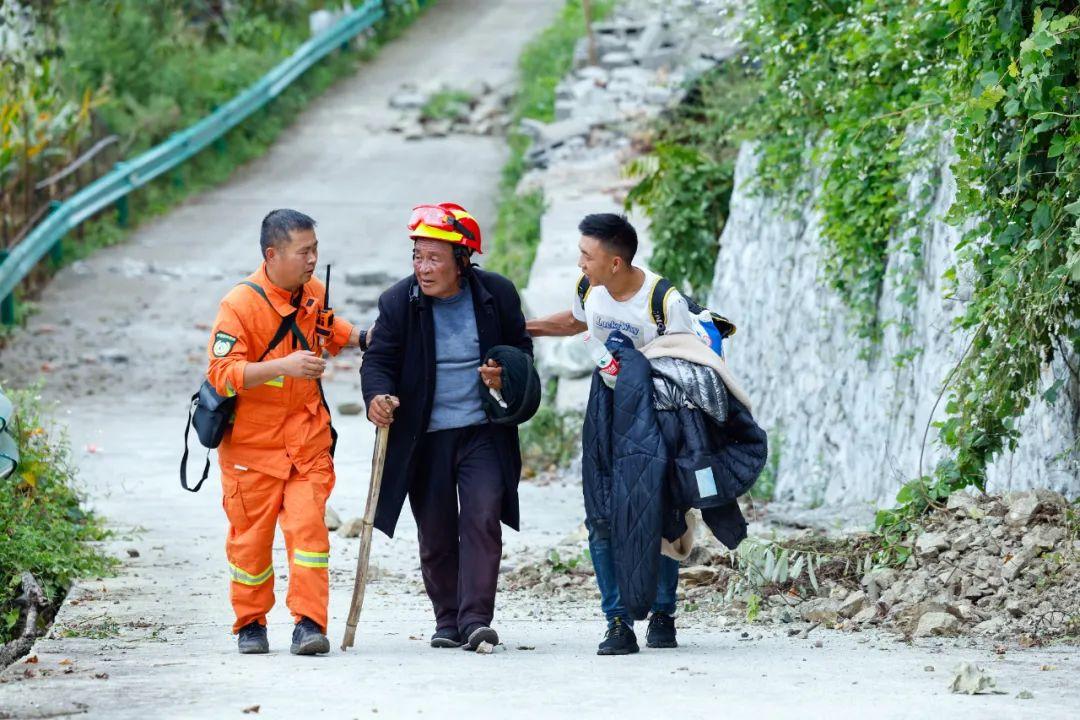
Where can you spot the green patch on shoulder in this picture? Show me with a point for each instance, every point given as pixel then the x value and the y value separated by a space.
pixel 223 344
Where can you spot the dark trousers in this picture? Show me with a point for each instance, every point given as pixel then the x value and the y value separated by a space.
pixel 459 550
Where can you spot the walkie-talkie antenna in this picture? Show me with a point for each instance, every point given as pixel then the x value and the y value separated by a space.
pixel 326 298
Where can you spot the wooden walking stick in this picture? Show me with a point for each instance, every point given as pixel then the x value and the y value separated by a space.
pixel 377 463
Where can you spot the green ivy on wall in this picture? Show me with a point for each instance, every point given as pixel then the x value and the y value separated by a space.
pixel 862 95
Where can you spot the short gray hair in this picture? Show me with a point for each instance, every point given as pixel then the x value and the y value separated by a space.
pixel 277 225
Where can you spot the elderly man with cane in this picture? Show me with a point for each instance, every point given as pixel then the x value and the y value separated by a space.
pixel 449 372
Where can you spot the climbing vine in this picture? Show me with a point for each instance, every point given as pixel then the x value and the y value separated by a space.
pixel 860 96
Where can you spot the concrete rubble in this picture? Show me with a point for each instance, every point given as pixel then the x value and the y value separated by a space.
pixel 480 109
pixel 970 572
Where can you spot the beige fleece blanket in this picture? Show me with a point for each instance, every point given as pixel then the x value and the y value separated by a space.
pixel 680 549
pixel 690 348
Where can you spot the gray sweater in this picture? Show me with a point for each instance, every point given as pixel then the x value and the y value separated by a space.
pixel 457 357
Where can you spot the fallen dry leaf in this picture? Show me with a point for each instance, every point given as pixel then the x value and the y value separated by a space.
pixel 252 709
pixel 31 660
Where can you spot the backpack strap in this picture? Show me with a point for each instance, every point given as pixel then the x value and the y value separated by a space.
pixel 288 324
pixel 658 298
pixel 184 459
pixel 583 288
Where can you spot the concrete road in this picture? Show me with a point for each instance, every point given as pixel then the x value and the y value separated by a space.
pixel 119 340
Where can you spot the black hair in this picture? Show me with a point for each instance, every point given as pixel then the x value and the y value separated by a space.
pixel 277 225
pixel 463 258
pixel 614 231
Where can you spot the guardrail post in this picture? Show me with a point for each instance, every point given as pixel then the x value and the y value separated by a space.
pixel 7 305
pixel 56 252
pixel 122 212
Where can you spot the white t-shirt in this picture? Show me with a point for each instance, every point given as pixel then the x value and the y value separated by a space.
pixel 605 315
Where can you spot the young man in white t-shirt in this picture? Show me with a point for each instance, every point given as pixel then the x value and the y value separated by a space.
pixel 618 302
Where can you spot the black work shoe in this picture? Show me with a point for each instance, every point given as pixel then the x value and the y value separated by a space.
pixel 307 639
pixel 620 640
pixel 446 638
pixel 661 632
pixel 480 634
pixel 251 640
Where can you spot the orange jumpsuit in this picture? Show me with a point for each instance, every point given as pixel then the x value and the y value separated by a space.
pixel 275 459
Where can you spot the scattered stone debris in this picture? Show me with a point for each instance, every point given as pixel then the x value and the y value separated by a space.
pixel 477 110
pixel 351 528
pixel 972 571
pixel 351 408
pixel 970 679
pixel 132 553
pixel 332 519
pixel 486 648
pixel 254 709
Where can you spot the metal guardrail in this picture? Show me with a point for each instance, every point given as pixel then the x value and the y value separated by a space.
pixel 127 176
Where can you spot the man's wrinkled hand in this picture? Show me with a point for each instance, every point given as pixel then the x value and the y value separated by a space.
pixel 491 375
pixel 303 364
pixel 381 410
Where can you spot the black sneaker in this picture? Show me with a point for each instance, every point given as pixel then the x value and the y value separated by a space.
pixel 620 640
pixel 251 639
pixel 661 633
pixel 480 634
pixel 446 638
pixel 308 639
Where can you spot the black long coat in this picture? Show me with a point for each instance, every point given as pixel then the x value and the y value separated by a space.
pixel 401 361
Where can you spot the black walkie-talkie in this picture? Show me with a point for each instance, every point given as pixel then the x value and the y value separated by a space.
pixel 324 324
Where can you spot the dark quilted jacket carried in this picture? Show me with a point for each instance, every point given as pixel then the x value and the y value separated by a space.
pixel 644 467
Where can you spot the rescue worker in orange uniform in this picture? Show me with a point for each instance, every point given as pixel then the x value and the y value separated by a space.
pixel 277 458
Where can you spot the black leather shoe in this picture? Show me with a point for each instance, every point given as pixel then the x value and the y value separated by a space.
pixel 619 640
pixel 446 638
pixel 661 633
pixel 308 639
pixel 251 640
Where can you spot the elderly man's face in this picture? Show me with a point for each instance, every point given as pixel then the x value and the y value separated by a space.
pixel 292 263
pixel 436 271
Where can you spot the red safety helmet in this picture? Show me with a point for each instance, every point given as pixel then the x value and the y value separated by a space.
pixel 446 221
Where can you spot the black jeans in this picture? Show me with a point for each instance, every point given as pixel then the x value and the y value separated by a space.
pixel 459 550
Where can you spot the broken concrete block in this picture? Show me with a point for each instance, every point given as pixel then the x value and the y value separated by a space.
pixel 699 575
pixel 408 98
pixel 1015 565
pixel 616 59
pixel 931 543
pixel 852 604
pixel 821 610
pixel 937 623
pixel 332 519
pixel 868 613
pixel 991 626
pixel 1043 537
pixel 351 528
pixel 962 503
pixel 970 679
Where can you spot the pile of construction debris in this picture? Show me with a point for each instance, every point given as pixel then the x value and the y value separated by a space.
pixel 479 109
pixel 992 566
pixel 645 57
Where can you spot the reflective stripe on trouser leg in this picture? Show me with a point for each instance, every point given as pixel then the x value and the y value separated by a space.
pixel 239 576
pixel 307 540
pixel 304 558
